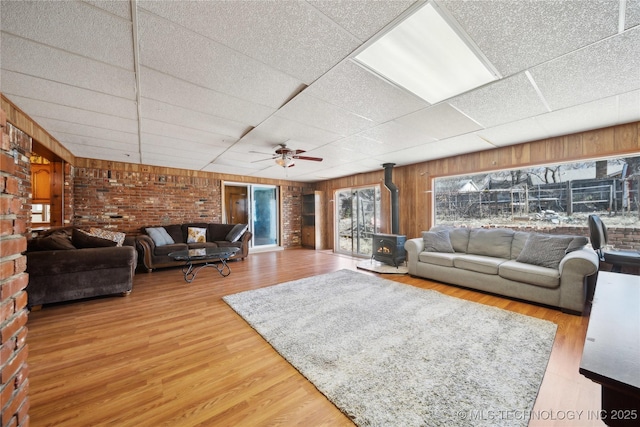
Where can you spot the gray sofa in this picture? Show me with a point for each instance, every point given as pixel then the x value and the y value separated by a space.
pixel 554 270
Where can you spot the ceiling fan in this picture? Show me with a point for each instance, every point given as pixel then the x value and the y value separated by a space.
pixel 286 157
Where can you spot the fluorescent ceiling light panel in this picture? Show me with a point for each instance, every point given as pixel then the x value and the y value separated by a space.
pixel 424 55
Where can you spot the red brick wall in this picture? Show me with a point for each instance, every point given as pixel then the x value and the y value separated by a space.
pixel 126 201
pixel 15 184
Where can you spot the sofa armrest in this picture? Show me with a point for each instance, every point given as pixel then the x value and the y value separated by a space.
pixel 146 246
pixel 413 248
pixel 577 270
pixel 244 249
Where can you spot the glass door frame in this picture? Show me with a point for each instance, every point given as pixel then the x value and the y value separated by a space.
pixel 250 210
pixel 356 246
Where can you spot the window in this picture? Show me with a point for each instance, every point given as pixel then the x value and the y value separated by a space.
pixel 550 195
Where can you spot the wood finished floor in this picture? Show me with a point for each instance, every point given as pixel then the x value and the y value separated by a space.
pixel 174 354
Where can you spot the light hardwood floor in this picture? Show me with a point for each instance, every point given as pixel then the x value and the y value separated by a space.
pixel 174 354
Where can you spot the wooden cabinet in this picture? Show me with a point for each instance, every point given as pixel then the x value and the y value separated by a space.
pixel 312 220
pixel 41 183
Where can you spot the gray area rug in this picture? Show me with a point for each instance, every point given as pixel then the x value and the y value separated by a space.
pixel 389 354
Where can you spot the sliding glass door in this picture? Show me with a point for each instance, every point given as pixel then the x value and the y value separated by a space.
pixel 264 204
pixel 257 206
pixel 357 219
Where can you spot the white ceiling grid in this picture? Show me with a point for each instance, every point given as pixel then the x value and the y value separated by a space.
pixel 222 83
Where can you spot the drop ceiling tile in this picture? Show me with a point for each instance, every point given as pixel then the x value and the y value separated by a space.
pixel 64 113
pixel 118 8
pixel 252 161
pixel 315 112
pixel 629 107
pixel 58 128
pixel 516 35
pixel 228 169
pixel 592 115
pixel 73 27
pixel 439 122
pixel 171 90
pixel 276 130
pixel 360 18
pixel 514 133
pixel 174 160
pixel 506 100
pixel 104 153
pixel 162 144
pixel 70 96
pixel 359 147
pixel 177 51
pixel 97 143
pixel 162 112
pixel 436 150
pixel 396 134
pixel 180 132
pixel 23 56
pixel 632 15
pixel 289 36
pixel 601 70
pixel 363 93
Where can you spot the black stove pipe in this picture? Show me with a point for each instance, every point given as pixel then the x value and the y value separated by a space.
pixel 395 210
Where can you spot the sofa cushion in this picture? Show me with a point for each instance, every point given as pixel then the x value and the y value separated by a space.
pixel 196 235
pixel 438 258
pixel 459 236
pixel 167 249
pixel 82 239
pixel 236 232
pixel 200 245
pixel 544 250
pixel 492 242
pixel 160 236
pixel 437 241
pixel 478 263
pixel 519 239
pixel 530 274
pixel 176 233
pixel 52 242
pixel 116 236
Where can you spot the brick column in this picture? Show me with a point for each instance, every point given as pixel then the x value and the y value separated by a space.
pixel 14 384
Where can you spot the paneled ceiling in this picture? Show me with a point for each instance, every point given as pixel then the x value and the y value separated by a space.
pixel 216 85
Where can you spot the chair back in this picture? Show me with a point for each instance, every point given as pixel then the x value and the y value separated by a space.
pixel 598 234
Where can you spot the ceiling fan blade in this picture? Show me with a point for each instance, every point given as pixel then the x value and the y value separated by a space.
pixel 260 152
pixel 296 152
pixel 314 159
pixel 263 160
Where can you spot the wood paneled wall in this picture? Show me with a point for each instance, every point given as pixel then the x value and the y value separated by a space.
pixel 415 181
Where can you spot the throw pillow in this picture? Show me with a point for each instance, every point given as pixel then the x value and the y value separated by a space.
pixel 196 235
pixel 437 241
pixel 544 250
pixel 577 243
pixel 159 236
pixel 52 242
pixel 236 232
pixel 82 239
pixel 116 236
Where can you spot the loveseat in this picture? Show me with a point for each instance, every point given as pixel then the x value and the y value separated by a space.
pixel 157 242
pixel 68 264
pixel 554 270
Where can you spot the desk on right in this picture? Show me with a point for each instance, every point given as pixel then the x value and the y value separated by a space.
pixel 611 354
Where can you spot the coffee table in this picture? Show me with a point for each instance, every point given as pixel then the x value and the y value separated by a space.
pixel 214 257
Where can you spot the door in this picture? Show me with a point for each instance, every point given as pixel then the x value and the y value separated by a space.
pixel 357 219
pixel 257 206
pixel 264 218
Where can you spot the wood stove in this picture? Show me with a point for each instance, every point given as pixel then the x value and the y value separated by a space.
pixel 389 249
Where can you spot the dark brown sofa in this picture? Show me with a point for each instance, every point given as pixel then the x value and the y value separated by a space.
pixel 216 235
pixel 70 272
